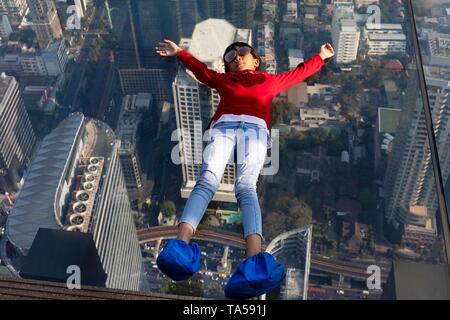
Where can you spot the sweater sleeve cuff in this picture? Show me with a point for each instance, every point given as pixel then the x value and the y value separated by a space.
pixel 183 54
pixel 319 58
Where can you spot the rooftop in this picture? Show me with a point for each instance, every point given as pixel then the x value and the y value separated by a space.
pixel 388 119
pixel 384 26
pixel 211 37
pixel 35 207
pixel 42 199
pixel 14 289
pixel 387 37
pixel 419 211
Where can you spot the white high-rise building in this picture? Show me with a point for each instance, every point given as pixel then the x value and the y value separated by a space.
pixel 14 9
pixel 385 39
pixel 17 139
pixel 131 113
pixel 195 103
pixel 345 33
pixel 410 182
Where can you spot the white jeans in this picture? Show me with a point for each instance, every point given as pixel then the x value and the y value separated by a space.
pixel 249 140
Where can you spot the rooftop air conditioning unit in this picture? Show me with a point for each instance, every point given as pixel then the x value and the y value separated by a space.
pixel 79 207
pixel 88 186
pixel 74 228
pixel 77 219
pixel 89 178
pixel 92 168
pixel 82 196
pixel 94 160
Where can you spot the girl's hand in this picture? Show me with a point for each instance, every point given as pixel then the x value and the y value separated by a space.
pixel 326 51
pixel 167 49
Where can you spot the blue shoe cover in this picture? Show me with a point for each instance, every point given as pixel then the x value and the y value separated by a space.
pixel 255 276
pixel 179 260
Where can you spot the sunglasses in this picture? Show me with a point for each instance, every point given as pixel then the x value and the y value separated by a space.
pixel 232 54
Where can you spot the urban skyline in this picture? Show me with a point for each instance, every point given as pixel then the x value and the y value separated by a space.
pixel 356 178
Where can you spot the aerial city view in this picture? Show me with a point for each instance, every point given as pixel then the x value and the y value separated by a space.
pixel 102 138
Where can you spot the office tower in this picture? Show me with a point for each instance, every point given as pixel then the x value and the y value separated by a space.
pixel 56 57
pixel 211 9
pixel 410 184
pixel 14 9
pixel 17 139
pixel 75 184
pixel 195 103
pixel 45 20
pixel 293 249
pixel 240 13
pixel 5 27
pixel 345 33
pixel 132 111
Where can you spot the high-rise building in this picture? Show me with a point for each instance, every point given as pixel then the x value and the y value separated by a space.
pixel 240 13
pixel 5 27
pixel 211 9
pixel 345 33
pixel 75 184
pixel 410 182
pixel 131 113
pixel 195 103
pixel 55 57
pixel 17 139
pixel 293 249
pixel 46 23
pixel 14 9
pixel 21 61
pixel 154 81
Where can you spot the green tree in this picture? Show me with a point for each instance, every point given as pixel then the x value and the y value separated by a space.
pixel 274 224
pixel 349 105
pixel 169 209
pixel 282 112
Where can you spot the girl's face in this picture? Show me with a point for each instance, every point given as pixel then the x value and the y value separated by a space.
pixel 245 62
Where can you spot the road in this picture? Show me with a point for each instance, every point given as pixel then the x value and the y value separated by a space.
pixel 354 269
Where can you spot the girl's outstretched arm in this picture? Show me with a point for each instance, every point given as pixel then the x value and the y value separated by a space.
pixel 198 68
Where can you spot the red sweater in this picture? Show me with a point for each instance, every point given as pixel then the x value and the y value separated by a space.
pixel 248 92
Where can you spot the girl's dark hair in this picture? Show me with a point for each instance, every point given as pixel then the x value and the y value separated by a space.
pixel 241 44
